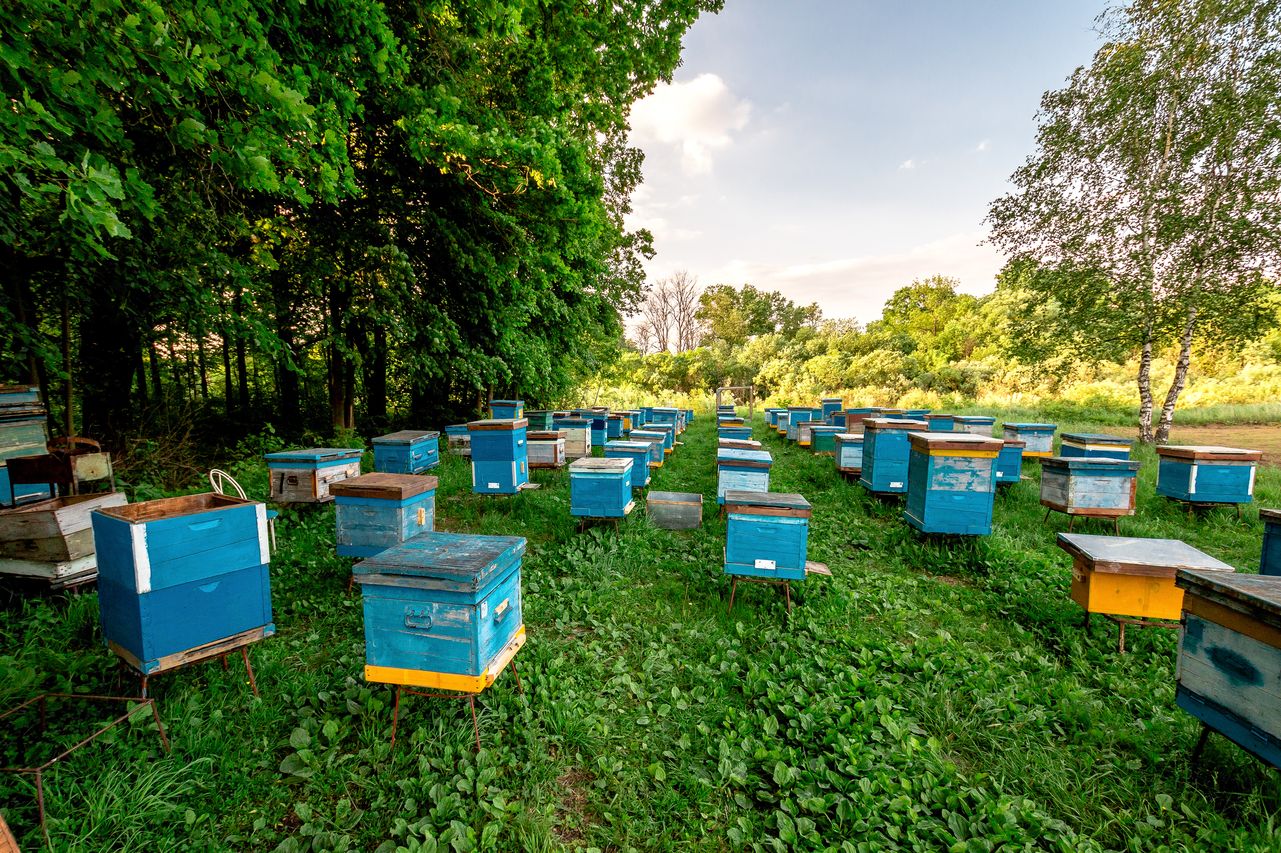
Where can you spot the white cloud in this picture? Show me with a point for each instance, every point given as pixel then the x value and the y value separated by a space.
pixel 696 118
pixel 984 145
pixel 907 165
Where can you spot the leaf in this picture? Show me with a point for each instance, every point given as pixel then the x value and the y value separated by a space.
pixel 300 738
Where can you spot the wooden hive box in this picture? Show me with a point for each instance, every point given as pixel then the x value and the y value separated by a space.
pixel 1206 474
pixel 1270 558
pixel 600 488
pixel 637 451
pixel 657 444
pixel 666 415
pixel 1095 488
pixel 940 422
pixel 742 471
pixel 1092 445
pixel 578 435
pixel 854 418
pixel 829 406
pixel 614 426
pixel 53 539
pixel 804 433
pixel 823 438
pixel 443 610
pixel 916 413
pixel 886 450
pixel 1123 576
pixel 771 415
pixel 669 435
pixel 973 424
pixel 546 449
pixel 600 429
pixel 674 510
pixel 373 512
pixel 539 419
pixel 849 453
pixel 304 476
pixel 646 415
pixel 951 483
pixel 797 415
pixel 24 431
pixel 1038 439
pixel 178 575
pixel 689 416
pixel 1229 668
pixel 767 535
pixel 738 443
pixel 458 439
pixel 410 451
pixel 739 432
pixel 782 421
pixel 508 410
pixel 1009 462
pixel 730 421
pixel 499 456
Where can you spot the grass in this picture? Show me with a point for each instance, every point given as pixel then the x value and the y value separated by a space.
pixel 930 695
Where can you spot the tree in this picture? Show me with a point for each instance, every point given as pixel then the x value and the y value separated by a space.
pixel 1151 211
pixel 733 314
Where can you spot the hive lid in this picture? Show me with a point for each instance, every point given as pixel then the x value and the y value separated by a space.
pixel 407 436
pixel 314 454
pixel 675 498
pixel 955 441
pixel 621 444
pixel 596 464
pixel 1031 426
pixel 615 417
pixel 544 435
pixel 826 428
pixel 1085 463
pixel 458 560
pixel 154 510
pixel 974 419
pixel 646 434
pixel 938 416
pixel 744 458
pixel 1138 556
pixel 667 409
pixel 571 420
pixel 848 436
pixel 456 429
pixel 1097 438
pixel 387 487
pixel 1209 452
pixel 740 443
pixel 506 402
pixel 768 503
pixel 498 425
pixel 894 423
pixel 1258 596
pixel 1270 514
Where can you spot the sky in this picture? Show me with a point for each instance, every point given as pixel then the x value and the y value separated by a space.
pixel 836 150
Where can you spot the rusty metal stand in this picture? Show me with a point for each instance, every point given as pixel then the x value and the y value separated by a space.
pixel 39 771
pixel 1072 517
pixel 1200 744
pixel 733 588
pixel 244 655
pixel 1122 621
pixel 470 697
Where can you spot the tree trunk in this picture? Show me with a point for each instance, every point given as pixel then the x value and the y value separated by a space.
pixel 228 402
pixel 1145 388
pixel 242 373
pixel 376 379
pixel 68 413
pixel 156 388
pixel 200 360
pixel 1180 378
pixel 111 340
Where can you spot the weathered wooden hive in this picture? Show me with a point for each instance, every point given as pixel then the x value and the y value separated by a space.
pixel 886 450
pixel 305 475
pixel 646 415
pixel 458 439
pixel 854 418
pixel 940 422
pixel 738 443
pixel 804 434
pixel 1038 438
pixel 508 410
pixel 657 444
pixel 499 456
pixel 951 483
pixel 1270 558
pixel 1093 488
pixel 24 431
pixel 410 451
pixel 1229 669
pixel 973 424
pixel 669 435
pixel 1207 474
pixel 443 610
pixel 674 510
pixel 823 438
pixel 782 421
pixel 578 435
pixel 739 432
pixel 1092 445
pixel 829 406
pixel 546 448
pixel 539 419
pixel 637 451
pixel 771 416
pixel 742 471
pixel 613 426
pixel 373 512
pixel 767 535
pixel 53 539
pixel 797 415
pixel 667 415
pixel 849 453
pixel 1009 463
pixel 177 576
pixel 600 488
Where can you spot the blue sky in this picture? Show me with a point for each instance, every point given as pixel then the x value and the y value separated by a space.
pixel 837 149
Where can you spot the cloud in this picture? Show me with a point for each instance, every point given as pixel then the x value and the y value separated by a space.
pixel 984 145
pixel 695 118
pixel 907 165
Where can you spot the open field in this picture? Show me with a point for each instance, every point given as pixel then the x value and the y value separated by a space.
pixel 930 695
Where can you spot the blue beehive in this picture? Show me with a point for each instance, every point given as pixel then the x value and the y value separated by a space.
pixel 796 415
pixel 741 471
pixel 823 438
pixel 1092 445
pixel 613 426
pixel 666 415
pixel 689 416
pixel 646 415
pixel 1089 487
pixel 499 456
pixel 373 512
pixel 782 420
pixel 637 451
pixel 1038 438
pixel 443 610
pixel 973 424
pixel 771 416
pixel 830 406
pixel 940 423
pixel 24 431
pixel 657 441
pixel 177 575
pixel 849 453
pixel 600 488
pixel 886 449
pixel 458 439
pixel 767 535
pixel 1207 474
pixel 1009 463
pixel 410 451
pixel 669 435
pixel 508 410
pixel 738 432
pixel 1270 559
pixel 915 413
pixel 951 483
pixel 305 475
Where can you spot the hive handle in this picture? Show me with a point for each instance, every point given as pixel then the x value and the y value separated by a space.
pixel 418 619
pixel 204 525
pixel 500 612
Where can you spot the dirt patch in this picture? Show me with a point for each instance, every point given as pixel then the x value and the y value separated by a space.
pixel 571 809
pixel 951 580
pixel 1265 437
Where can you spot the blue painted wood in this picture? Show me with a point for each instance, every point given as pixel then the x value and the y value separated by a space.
pixel 1009 463
pixel 1270 559
pixel 378 511
pixel 442 602
pixel 689 415
pixel 407 452
pixel 600 488
pixel 639 452
pixel 973 424
pixel 1232 726
pixel 312 457
pixel 499 456
pixel 647 415
pixel 668 432
pixel 742 471
pixel 797 415
pixel 11 395
pixel 1089 485
pixel 823 438
pixel 23 493
pixel 830 406
pixel 456 430
pixel 614 426
pixel 916 413
pixel 849 453
pixel 506 409
pixel 940 422
pixel 1095 445
pixel 886 449
pixel 949 491
pixel 761 543
pixel 737 432
pixel 1038 438
pixel 1206 475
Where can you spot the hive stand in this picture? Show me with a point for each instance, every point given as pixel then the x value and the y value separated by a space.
pixel 469 696
pixel 218 649
pixel 811 567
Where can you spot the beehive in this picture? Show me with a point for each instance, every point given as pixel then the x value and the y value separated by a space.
pixel 443 610
pixel 689 416
pixel 1270 558
pixel 782 421
pixel 1123 576
pixel 179 575
pixel 647 415
pixel 849 453
pixel 1229 668
pixel 373 512
pixel 600 488
pixel 973 424
pixel 951 483
pixel 540 420
pixel 915 413
pixel 797 415
pixel 546 448
pixel 674 510
pixel 305 475
pixel 1094 488
pixel 638 452
pixel 739 432
pixel 823 438
pixel 730 421
pixel 1092 445
pixel 657 444
pixel 829 406
pixel 24 431
pixel 854 418
pixel 804 435
pixel 410 451
pixel 614 426
pixel 771 416
pixel 506 410
pixel 738 443
pixel 767 535
pixel 1206 474
pixel 1038 439
pixel 669 435
pixel 742 471
pixel 53 539
pixel 499 456
pixel 578 435
pixel 667 415
pixel 886 449
pixel 1009 463
pixel 458 439
pixel 940 423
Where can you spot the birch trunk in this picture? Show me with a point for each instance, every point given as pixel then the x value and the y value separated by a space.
pixel 1145 388
pixel 1180 378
